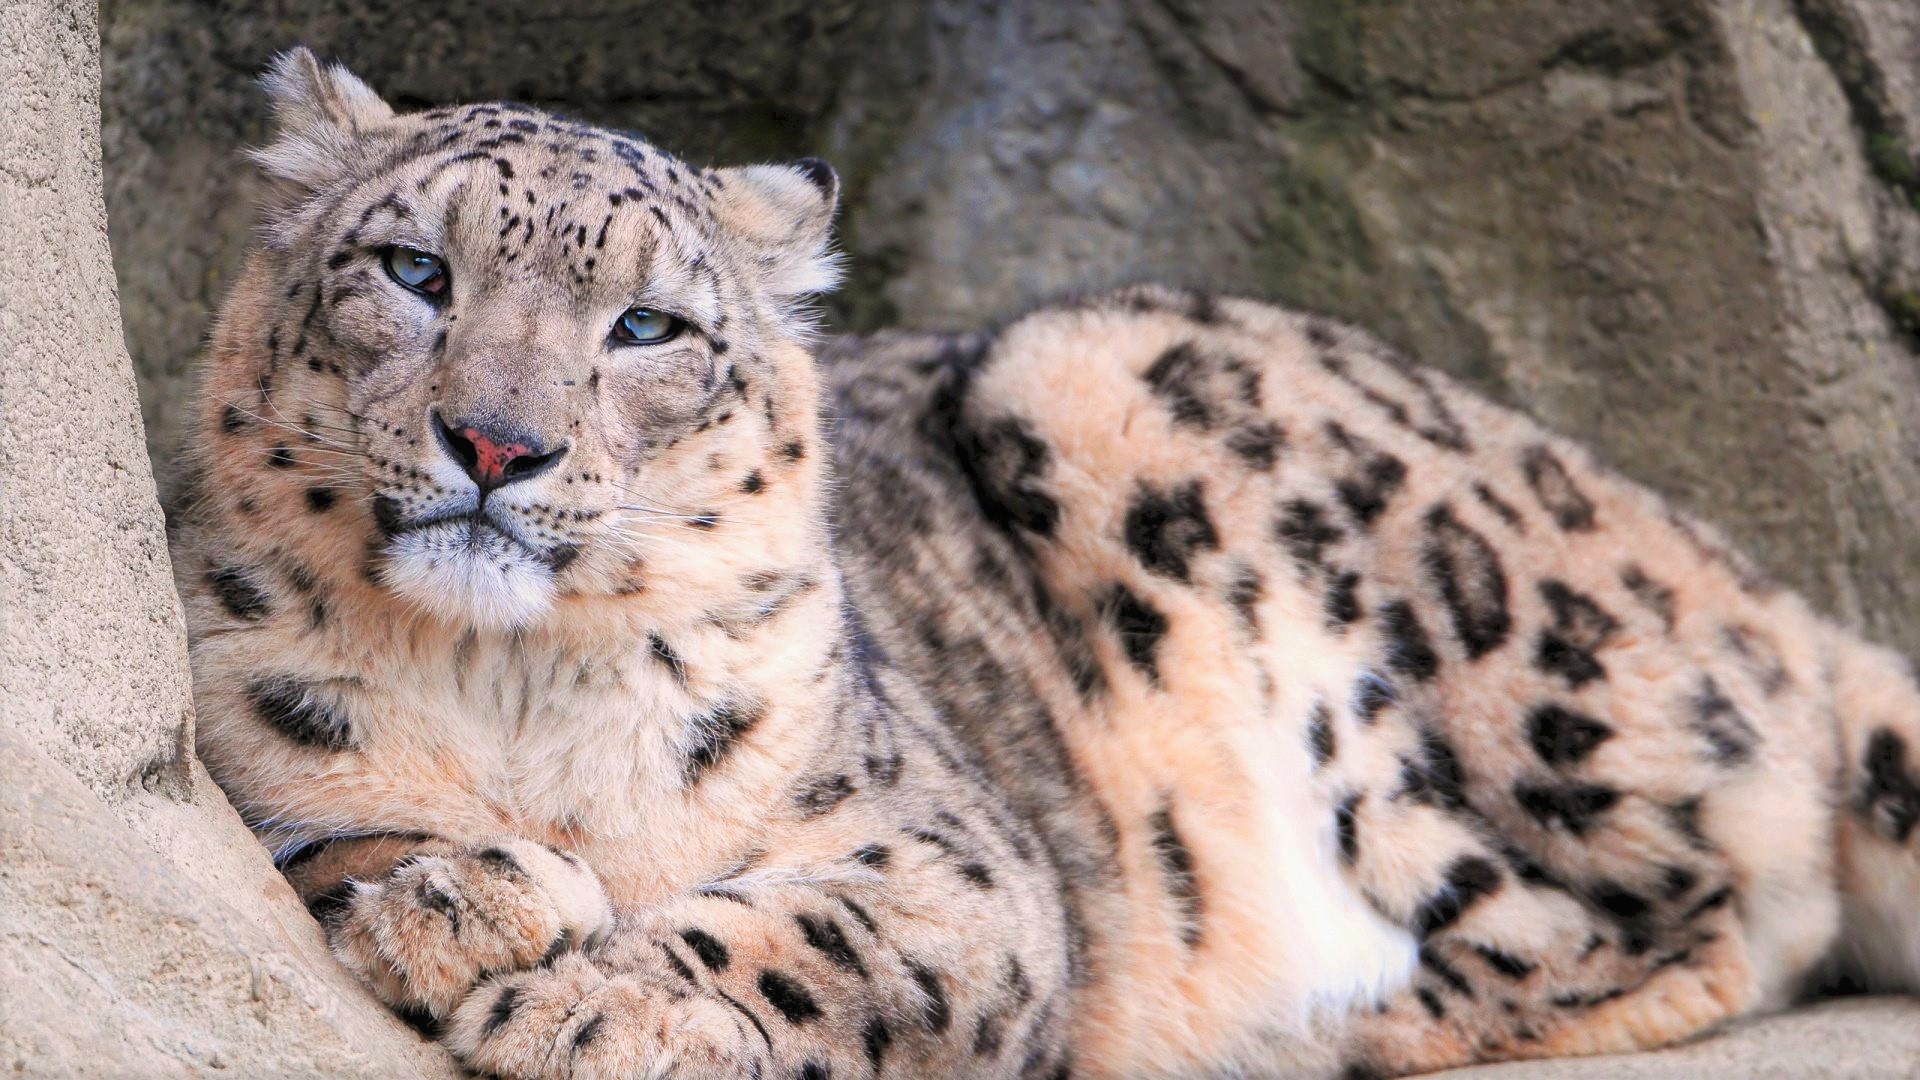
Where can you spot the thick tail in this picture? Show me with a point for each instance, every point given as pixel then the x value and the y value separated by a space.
pixel 1877 701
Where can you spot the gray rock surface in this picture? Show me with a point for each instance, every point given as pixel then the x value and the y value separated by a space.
pixel 143 931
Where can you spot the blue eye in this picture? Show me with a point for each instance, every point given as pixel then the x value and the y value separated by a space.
pixel 645 326
pixel 417 270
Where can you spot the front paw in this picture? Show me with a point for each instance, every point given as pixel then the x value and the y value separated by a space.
pixel 574 1020
pixel 437 924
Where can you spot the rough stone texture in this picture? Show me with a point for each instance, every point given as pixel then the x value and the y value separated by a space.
pixel 1687 231
pixel 117 959
pixel 93 666
pixel 1865 1039
pixel 143 931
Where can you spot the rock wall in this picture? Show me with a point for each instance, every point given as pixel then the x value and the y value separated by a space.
pixel 1683 230
pixel 143 931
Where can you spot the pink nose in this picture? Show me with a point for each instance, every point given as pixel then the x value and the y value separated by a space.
pixel 493 456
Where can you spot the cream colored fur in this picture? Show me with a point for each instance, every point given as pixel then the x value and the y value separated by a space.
pixel 1159 685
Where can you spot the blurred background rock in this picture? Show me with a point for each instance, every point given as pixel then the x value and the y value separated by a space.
pixel 1685 231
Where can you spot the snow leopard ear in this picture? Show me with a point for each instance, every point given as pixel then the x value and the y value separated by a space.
pixel 784 214
pixel 322 113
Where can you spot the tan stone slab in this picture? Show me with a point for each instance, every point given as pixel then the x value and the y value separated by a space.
pixel 112 965
pixel 92 652
pixel 1857 1039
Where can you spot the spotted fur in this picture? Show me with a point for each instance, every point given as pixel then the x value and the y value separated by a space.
pixel 1162 684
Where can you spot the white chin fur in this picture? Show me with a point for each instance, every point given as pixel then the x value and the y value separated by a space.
pixel 467 573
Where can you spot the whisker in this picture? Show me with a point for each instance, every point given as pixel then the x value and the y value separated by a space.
pixel 349 430
pixel 235 406
pixel 269 451
pixel 660 515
